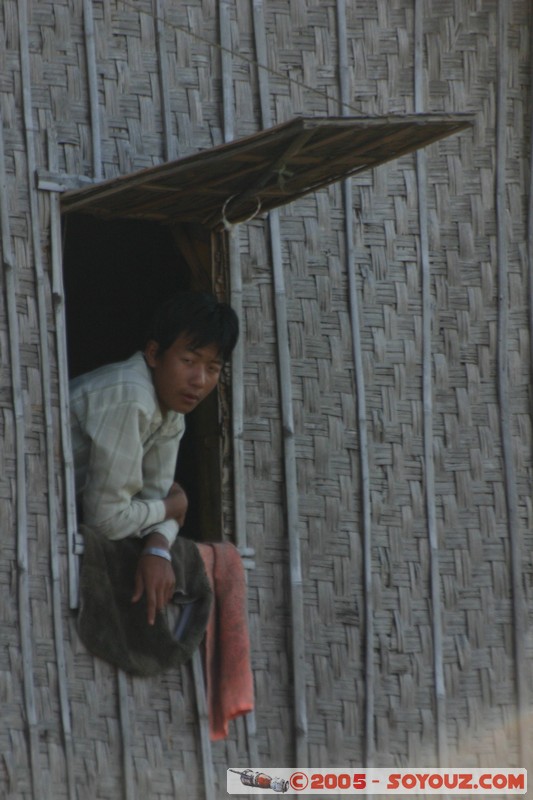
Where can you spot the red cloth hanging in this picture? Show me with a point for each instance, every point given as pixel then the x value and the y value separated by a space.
pixel 228 672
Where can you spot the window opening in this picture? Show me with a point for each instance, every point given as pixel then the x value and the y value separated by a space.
pixel 115 273
pixel 124 256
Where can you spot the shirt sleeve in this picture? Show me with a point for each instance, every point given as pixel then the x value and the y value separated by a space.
pixel 169 529
pixel 116 502
pixel 159 469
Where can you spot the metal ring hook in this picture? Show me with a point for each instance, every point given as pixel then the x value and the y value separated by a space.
pixel 229 226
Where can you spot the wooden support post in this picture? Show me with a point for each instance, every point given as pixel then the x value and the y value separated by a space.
pixel 362 424
pixel 289 448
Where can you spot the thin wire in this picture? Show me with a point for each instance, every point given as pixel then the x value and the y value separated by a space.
pixel 251 61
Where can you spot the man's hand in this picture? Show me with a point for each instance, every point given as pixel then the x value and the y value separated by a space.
pixel 154 576
pixel 176 504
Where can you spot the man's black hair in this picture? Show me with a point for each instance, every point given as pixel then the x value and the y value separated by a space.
pixel 199 316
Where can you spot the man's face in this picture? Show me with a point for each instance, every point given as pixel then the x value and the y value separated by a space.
pixel 183 377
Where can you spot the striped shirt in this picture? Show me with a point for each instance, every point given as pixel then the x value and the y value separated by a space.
pixel 125 450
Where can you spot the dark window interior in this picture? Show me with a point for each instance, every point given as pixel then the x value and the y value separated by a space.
pixel 115 274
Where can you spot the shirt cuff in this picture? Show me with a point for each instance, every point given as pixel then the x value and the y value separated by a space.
pixel 169 529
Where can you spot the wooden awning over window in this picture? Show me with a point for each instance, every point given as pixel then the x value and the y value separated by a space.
pixel 235 181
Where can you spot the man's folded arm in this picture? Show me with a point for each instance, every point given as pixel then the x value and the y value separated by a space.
pixel 112 498
pixel 134 518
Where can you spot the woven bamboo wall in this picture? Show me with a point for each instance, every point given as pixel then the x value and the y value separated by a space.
pixel 386 375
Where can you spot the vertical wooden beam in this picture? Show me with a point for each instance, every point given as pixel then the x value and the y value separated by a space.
pixel 360 388
pixel 528 763
pixel 530 205
pixel 237 397
pixel 237 365
pixel 46 388
pixel 166 111
pixel 511 493
pixel 289 445
pixel 90 52
pixel 58 295
pixel 427 391
pixel 226 55
pixel 21 516
pixel 68 465
pixel 125 731
pixel 203 722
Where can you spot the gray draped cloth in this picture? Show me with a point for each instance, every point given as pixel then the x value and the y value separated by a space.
pixel 116 630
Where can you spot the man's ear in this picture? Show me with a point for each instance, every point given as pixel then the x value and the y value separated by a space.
pixel 151 350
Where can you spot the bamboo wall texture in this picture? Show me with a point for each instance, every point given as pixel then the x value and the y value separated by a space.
pixel 382 411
